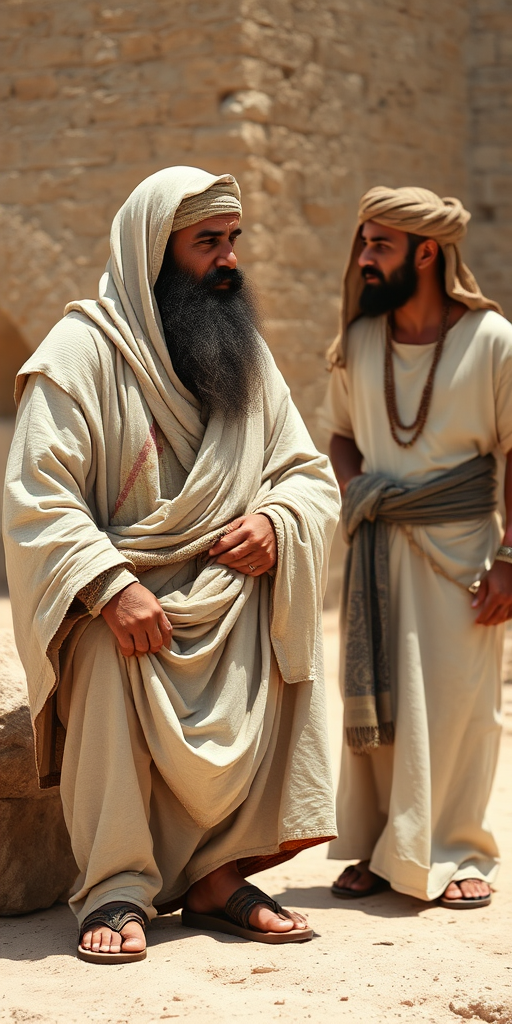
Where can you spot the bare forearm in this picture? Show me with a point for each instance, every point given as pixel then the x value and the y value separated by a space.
pixel 346 459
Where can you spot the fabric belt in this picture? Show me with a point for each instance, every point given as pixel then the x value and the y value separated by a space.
pixel 371 503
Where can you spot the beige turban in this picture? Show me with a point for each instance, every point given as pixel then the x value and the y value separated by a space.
pixel 222 197
pixel 419 212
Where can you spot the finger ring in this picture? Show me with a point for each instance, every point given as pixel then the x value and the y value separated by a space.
pixel 252 568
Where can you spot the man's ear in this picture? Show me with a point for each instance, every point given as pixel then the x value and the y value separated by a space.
pixel 426 254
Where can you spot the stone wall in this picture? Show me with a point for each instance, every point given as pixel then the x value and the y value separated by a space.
pixel 346 95
pixel 490 147
pixel 308 103
pixel 93 100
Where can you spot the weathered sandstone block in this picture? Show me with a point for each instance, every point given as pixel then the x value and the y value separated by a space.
pixel 36 863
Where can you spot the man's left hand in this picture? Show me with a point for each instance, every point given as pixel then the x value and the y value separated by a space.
pixel 249 546
pixel 494 596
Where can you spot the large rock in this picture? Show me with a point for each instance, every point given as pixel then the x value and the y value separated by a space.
pixel 36 863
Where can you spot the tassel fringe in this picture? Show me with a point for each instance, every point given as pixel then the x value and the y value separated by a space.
pixel 364 738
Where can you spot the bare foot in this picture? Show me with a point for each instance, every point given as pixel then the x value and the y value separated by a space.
pixel 212 892
pixel 131 939
pixel 357 877
pixel 467 888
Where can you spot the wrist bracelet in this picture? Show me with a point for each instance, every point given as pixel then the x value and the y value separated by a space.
pixel 504 554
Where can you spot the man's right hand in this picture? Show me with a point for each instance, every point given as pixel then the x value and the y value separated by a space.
pixel 137 621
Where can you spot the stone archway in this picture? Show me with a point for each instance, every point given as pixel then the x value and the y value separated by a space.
pixel 13 353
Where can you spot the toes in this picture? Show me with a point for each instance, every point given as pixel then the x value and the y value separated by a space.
pixel 473 887
pixel 453 892
pixel 109 941
pixel 133 944
pixel 104 940
pixel 467 888
pixel 356 876
pixel 298 920
pixel 134 940
pixel 265 920
pixel 278 922
pixel 98 939
pixel 347 876
pixel 115 943
pixel 275 922
pixel 362 882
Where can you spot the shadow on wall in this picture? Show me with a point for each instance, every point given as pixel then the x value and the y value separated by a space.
pixel 13 353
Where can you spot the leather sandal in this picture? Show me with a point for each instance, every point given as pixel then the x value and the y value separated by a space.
pixel 234 919
pixel 114 916
pixel 466 902
pixel 343 892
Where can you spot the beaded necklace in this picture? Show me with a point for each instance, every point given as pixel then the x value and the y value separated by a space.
pixel 395 422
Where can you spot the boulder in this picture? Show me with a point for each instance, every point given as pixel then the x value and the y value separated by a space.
pixel 36 863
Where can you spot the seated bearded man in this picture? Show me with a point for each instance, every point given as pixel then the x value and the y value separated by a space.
pixel 167 526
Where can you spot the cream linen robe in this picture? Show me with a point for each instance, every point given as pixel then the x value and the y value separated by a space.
pixel 417 809
pixel 174 763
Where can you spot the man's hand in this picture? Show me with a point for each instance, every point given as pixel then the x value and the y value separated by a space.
pixel 137 621
pixel 249 546
pixel 494 596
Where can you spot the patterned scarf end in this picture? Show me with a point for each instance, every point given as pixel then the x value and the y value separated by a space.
pixel 362 739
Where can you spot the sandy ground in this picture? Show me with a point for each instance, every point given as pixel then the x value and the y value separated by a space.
pixel 386 958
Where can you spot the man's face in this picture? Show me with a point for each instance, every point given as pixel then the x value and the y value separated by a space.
pixel 388 269
pixel 206 250
pixel 209 318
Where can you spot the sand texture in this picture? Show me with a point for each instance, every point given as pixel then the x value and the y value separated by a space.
pixel 385 958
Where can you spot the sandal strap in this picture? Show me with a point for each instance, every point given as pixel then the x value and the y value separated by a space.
pixel 240 905
pixel 114 916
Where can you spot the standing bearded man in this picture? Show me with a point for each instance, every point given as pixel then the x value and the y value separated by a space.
pixel 420 409
pixel 167 524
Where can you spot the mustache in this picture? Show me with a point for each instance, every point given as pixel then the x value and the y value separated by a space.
pixel 367 272
pixel 221 276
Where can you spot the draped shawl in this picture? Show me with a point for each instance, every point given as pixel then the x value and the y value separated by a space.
pixel 419 212
pixel 129 474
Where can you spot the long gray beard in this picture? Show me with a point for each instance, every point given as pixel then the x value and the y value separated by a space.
pixel 212 338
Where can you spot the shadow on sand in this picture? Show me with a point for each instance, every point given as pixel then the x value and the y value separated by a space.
pixel 53 933
pixel 388 904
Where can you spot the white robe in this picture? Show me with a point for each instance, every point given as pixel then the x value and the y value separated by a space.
pixel 417 810
pixel 216 750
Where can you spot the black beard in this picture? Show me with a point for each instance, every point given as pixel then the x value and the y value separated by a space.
pixel 212 338
pixel 393 292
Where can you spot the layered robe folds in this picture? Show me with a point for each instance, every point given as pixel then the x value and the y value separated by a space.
pixel 417 809
pixel 175 762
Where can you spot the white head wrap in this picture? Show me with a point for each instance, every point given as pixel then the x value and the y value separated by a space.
pixel 222 197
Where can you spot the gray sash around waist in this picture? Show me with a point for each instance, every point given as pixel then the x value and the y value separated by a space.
pixel 372 502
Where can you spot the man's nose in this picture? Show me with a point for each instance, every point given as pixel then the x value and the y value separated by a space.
pixel 227 259
pixel 366 259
